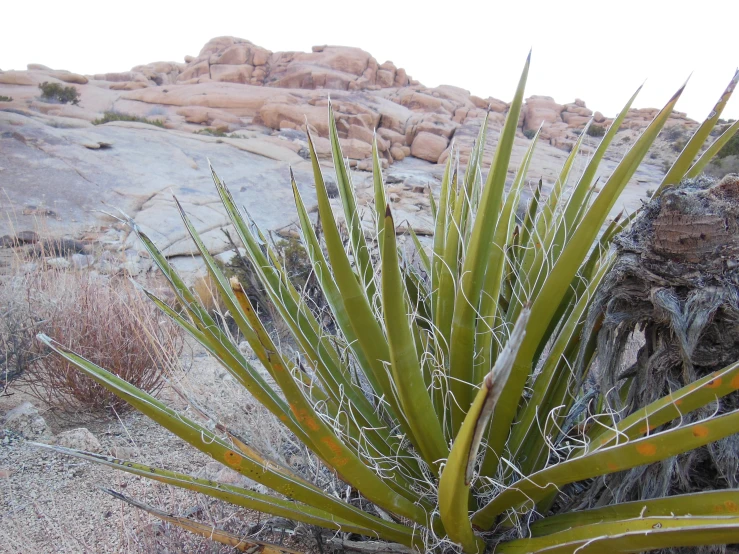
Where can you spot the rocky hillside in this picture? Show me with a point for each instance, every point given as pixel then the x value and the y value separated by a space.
pixel 246 109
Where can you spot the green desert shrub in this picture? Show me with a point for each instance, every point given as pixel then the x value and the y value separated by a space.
pixel 678 145
pixel 212 132
pixel 529 133
pixel 731 148
pixel 723 153
pixel 220 133
pixel 449 407
pixel 6 98
pixel 721 166
pixel 674 133
pixel 55 92
pixel 596 130
pixel 117 116
pixel 294 259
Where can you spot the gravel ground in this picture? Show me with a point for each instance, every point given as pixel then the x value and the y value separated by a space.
pixel 50 502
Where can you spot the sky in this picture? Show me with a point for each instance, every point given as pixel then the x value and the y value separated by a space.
pixel 594 50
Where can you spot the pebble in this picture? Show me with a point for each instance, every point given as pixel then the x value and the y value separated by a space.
pixel 81 261
pixel 122 452
pixel 58 263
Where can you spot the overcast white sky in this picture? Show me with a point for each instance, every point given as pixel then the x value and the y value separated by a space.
pixel 597 51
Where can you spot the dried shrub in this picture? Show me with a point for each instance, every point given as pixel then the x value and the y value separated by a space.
pixel 16 344
pixel 104 319
pixel 205 289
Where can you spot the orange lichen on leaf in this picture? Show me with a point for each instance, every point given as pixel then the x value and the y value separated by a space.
pixel 715 383
pixel 700 431
pixel 307 419
pixel 646 449
pixel 232 458
pixel 338 458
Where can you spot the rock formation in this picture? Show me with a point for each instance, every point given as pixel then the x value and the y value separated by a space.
pixel 233 84
pixel 247 109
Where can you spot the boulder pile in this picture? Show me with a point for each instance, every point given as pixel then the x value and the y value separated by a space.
pixel 233 84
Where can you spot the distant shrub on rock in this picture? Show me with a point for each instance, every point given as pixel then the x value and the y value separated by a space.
pixel 731 148
pixel 117 116
pixel 596 131
pixel 54 92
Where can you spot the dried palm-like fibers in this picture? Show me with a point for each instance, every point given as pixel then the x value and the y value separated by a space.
pixel 676 281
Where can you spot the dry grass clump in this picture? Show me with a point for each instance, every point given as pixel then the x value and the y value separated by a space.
pixel 104 318
pixel 16 344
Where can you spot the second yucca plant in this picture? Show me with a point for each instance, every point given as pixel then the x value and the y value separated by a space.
pixel 441 392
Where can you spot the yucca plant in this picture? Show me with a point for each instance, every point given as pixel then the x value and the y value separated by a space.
pixel 447 393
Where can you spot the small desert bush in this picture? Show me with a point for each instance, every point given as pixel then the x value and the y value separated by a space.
pixel 678 145
pixel 117 116
pixel 529 133
pixel 674 133
pixel 726 150
pixel 54 92
pixel 721 166
pixel 596 131
pixel 220 133
pixel 17 341
pixel 107 318
pixel 731 148
pixel 296 262
pixel 6 98
pixel 210 131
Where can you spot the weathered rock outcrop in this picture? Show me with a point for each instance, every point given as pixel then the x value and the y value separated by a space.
pixel 247 110
pixel 233 84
